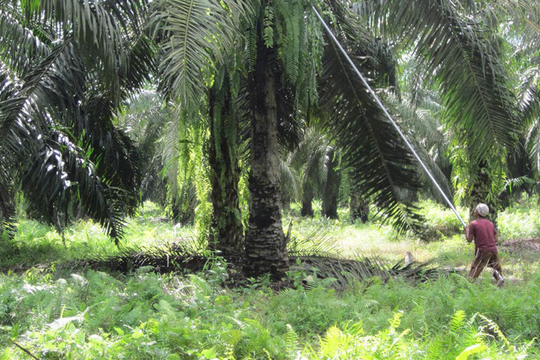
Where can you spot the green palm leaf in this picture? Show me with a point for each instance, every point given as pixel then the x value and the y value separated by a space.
pixel 382 165
pixel 98 26
pixel 195 33
pixel 7 196
pixel 424 131
pixel 466 62
pixel 44 118
pixel 21 46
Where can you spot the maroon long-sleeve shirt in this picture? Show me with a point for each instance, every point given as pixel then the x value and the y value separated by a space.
pixel 483 232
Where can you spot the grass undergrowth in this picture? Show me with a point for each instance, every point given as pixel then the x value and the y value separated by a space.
pixel 94 315
pixel 83 314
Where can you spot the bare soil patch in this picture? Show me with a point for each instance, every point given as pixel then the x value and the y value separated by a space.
pixel 523 245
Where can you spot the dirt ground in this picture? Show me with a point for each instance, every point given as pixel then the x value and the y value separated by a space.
pixel 521 245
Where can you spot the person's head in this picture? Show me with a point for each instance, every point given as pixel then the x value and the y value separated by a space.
pixel 482 210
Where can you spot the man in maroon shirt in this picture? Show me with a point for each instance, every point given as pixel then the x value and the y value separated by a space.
pixel 485 239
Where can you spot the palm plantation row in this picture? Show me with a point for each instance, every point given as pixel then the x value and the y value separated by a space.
pixel 243 83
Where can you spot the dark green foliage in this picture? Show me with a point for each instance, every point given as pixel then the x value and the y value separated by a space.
pixel 371 146
pixel 226 232
pixel 96 314
pixel 458 46
pixel 467 63
pixel 56 109
pixel 7 203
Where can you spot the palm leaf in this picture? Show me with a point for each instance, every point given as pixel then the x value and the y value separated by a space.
pixel 54 174
pixel 100 27
pixel 310 155
pixel 7 198
pixel 53 171
pixel 115 154
pixel 529 95
pixel 425 133
pixel 382 164
pixel 195 33
pixel 472 79
pixel 57 82
pixel 20 46
pixel 289 181
pixel 525 16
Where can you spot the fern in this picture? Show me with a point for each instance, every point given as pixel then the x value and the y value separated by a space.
pixel 457 322
pixel 251 48
pixel 291 341
pixel 268 27
pixel 332 341
pixel 395 321
pixel 491 325
pixel 471 350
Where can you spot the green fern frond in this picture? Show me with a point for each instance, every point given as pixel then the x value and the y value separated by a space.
pixel 291 341
pixel 457 322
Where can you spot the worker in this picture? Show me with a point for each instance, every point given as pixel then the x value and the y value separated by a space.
pixel 485 239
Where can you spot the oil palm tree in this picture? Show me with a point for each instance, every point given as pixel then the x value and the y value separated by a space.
pixel 66 66
pixel 459 47
pixel 146 119
pixel 285 47
pixel 308 161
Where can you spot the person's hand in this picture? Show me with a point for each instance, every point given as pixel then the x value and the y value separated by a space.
pixel 467 235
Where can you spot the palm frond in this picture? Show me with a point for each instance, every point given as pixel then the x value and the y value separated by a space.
pixel 525 16
pixel 100 27
pixel 172 146
pixel 472 79
pixel 310 155
pixel 371 145
pixel 289 180
pixel 57 82
pixel 141 63
pixel 54 174
pixel 532 143
pixel 40 123
pixel 20 46
pixel 529 95
pixel 511 185
pixel 290 121
pixel 195 34
pixel 114 153
pixel 144 118
pixel 425 132
pixel 7 198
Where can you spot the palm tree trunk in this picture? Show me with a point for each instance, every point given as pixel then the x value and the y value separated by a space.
pixel 226 231
pixel 265 241
pixel 480 192
pixel 331 189
pixel 359 208
pixel 307 200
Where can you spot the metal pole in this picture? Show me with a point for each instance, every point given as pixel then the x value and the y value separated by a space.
pixel 383 108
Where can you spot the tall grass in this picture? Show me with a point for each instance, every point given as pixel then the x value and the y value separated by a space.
pixel 520 221
pixel 36 243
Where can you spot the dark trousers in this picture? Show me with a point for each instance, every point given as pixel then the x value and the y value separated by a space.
pixel 483 258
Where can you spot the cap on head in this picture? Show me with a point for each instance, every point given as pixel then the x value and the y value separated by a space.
pixel 482 210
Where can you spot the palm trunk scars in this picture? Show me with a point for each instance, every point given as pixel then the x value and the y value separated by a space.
pixel 265 242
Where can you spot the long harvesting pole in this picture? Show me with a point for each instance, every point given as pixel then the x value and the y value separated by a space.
pixel 383 108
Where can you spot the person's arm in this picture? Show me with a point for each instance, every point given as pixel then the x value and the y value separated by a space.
pixel 468 233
